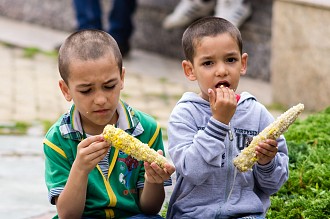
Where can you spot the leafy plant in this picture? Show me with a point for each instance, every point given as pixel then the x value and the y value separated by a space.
pixel 163 212
pixel 306 193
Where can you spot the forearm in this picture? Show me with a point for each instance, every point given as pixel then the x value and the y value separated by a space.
pixel 193 150
pixel 71 202
pixel 151 198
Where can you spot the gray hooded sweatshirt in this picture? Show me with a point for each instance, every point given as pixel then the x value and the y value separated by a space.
pixel 202 149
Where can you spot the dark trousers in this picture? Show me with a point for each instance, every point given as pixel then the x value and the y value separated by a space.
pixel 89 16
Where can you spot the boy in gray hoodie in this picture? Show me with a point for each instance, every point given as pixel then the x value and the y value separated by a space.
pixel 207 130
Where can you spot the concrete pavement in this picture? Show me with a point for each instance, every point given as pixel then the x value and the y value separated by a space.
pixel 23 191
pixel 29 93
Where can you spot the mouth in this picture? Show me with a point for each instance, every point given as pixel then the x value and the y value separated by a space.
pixel 222 83
pixel 101 111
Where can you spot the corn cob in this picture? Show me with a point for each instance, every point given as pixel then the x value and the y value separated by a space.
pixel 132 146
pixel 247 158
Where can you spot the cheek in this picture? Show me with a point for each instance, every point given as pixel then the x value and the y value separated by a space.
pixel 82 103
pixel 206 80
pixel 113 97
pixel 115 94
pixel 84 99
pixel 237 77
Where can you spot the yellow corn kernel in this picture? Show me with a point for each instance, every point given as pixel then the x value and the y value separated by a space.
pixel 247 158
pixel 132 146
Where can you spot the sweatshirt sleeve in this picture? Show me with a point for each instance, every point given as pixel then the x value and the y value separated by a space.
pixel 196 152
pixel 272 176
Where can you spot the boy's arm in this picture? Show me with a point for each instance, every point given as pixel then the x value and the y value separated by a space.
pixel 196 153
pixel 272 176
pixel 152 195
pixel 151 198
pixel 71 202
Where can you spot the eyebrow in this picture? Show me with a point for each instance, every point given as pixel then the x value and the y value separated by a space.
pixel 206 57
pixel 90 84
pixel 233 53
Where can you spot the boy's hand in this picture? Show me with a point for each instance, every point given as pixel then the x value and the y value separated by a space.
pixel 223 104
pixel 155 174
pixel 266 151
pixel 91 151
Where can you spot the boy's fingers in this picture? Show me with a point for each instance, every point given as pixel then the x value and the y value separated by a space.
pixel 88 141
pixel 266 149
pixel 211 97
pixel 219 93
pixel 232 95
pixel 228 94
pixel 98 154
pixel 97 146
pixel 149 171
pixel 158 175
pixel 170 169
pixel 225 92
pixel 271 142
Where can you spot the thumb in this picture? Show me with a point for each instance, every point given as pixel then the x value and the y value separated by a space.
pixel 160 152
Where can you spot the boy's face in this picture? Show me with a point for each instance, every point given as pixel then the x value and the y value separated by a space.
pixel 94 86
pixel 217 62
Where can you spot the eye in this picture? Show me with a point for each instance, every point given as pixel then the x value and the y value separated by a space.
pixel 231 60
pixel 207 63
pixel 110 87
pixel 85 91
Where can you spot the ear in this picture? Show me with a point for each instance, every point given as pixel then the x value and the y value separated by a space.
pixel 244 63
pixel 188 69
pixel 122 77
pixel 65 90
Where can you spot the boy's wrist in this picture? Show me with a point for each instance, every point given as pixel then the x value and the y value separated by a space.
pixel 153 182
pixel 79 171
pixel 222 120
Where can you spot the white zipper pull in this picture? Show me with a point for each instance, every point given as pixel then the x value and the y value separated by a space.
pixel 231 137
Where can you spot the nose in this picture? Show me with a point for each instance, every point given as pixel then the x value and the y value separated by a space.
pixel 100 98
pixel 221 70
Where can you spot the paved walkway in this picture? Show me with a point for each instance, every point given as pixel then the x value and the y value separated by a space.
pixel 29 93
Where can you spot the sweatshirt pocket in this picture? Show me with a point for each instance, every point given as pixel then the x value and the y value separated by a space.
pixel 244 200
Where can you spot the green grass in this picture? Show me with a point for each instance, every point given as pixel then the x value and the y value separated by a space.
pixel 21 128
pixel 31 52
pixel 14 128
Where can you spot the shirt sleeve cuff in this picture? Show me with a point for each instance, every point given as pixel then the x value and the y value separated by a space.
pixel 267 168
pixel 53 193
pixel 216 129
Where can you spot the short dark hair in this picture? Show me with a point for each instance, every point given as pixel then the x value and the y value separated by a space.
pixel 207 26
pixel 87 45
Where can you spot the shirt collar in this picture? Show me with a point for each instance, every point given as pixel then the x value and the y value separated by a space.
pixel 127 120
